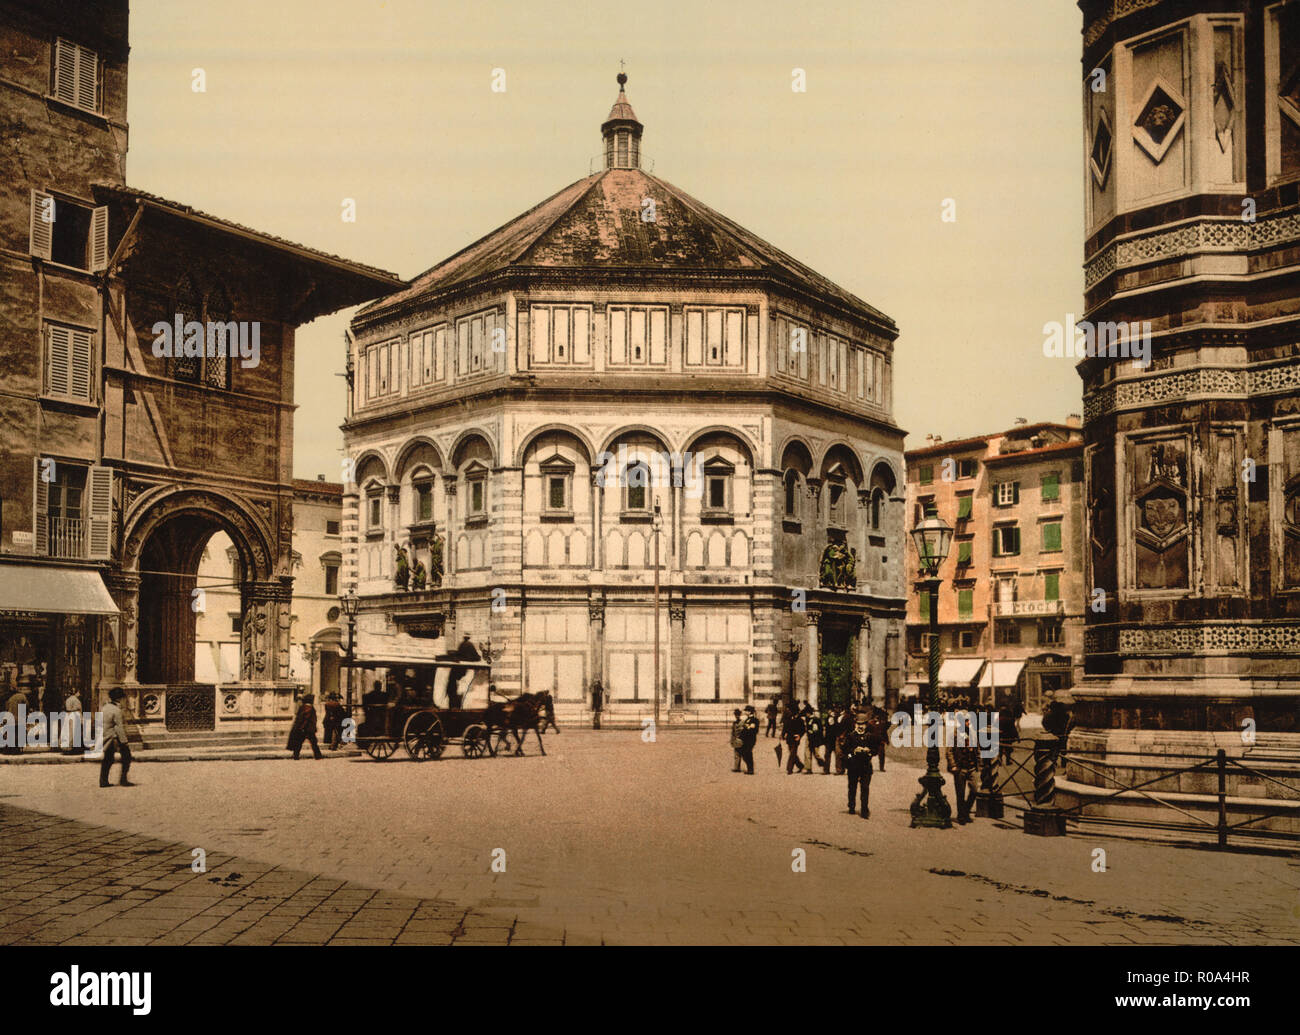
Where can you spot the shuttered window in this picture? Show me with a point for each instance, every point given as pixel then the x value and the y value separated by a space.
pixel 965 603
pixel 69 362
pixel 1052 586
pixel 1052 537
pixel 1051 486
pixel 100 493
pixel 963 507
pixel 76 75
pixel 925 604
pixel 964 552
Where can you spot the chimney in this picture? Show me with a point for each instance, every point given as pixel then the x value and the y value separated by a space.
pixel 1020 421
pixel 1074 421
pixel 929 440
pixel 938 439
pixel 320 477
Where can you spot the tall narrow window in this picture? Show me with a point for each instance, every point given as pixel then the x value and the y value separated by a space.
pixel 636 497
pixel 69 362
pixel 75 75
pixel 557 488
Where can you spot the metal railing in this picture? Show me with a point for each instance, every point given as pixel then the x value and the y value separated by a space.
pixel 68 538
pixel 1040 799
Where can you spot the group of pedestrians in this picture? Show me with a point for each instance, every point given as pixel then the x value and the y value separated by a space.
pixel 845 738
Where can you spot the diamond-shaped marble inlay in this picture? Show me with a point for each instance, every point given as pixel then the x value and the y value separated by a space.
pixel 1225 102
pixel 1160 117
pixel 1099 157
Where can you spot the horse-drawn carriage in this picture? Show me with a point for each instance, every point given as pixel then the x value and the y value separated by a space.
pixel 427 705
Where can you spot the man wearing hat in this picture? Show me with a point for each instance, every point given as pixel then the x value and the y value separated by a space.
pixel 963 761
pixel 735 740
pixel 115 738
pixel 857 754
pixel 335 713
pixel 304 728
pixel 748 738
pixel 813 725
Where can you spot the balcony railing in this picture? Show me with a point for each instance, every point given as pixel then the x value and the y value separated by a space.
pixel 1028 608
pixel 68 538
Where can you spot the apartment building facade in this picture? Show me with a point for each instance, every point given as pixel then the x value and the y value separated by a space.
pixel 1012 596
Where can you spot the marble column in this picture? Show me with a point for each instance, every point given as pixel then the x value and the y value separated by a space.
pixel 812 653
pixel 677 653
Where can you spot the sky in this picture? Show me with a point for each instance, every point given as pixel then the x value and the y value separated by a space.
pixel 310 102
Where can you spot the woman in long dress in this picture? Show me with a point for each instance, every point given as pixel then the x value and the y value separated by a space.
pixel 70 740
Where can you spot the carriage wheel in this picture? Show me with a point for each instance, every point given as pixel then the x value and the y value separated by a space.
pixel 424 736
pixel 475 741
pixel 379 748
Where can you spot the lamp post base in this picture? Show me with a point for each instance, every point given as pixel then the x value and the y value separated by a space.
pixel 931 808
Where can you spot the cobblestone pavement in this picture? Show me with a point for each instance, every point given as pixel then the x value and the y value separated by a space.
pixel 606 839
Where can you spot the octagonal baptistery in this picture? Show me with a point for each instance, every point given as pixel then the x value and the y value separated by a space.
pixel 520 411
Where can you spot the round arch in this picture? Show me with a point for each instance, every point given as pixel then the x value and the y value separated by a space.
pixel 723 429
pixel 794 441
pixel 464 438
pixel 840 444
pixel 409 447
pixel 547 429
pixel 232 515
pixel 364 458
pixel 634 429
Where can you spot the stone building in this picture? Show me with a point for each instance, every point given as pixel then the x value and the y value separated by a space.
pixel 316 636
pixel 123 454
pixel 1012 600
pixel 621 359
pixel 1192 161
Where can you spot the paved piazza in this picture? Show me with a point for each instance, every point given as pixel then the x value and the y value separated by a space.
pixel 607 839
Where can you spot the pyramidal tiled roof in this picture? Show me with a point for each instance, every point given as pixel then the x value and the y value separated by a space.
pixel 622 109
pixel 596 224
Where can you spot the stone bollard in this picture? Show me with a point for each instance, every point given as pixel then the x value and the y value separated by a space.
pixel 1044 819
pixel 988 802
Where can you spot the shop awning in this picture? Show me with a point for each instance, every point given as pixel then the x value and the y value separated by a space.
pixel 1005 672
pixel 959 671
pixel 48 590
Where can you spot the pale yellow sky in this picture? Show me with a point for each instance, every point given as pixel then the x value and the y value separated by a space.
pixel 309 102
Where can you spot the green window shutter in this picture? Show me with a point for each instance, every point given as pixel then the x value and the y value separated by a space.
pixel 1051 486
pixel 925 473
pixel 1013 541
pixel 1052 586
pixel 963 507
pixel 1015 493
pixel 925 604
pixel 963 552
pixel 965 602
pixel 1052 537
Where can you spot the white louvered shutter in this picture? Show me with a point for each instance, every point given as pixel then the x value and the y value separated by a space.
pixel 40 510
pixel 58 360
pixel 98 239
pixel 80 365
pixel 100 485
pixel 65 71
pixel 87 79
pixel 41 237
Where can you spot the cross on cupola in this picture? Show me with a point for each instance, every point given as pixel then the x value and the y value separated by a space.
pixel 622 132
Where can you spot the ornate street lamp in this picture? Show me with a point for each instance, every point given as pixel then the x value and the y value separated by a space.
pixel 933 540
pixel 658 527
pixel 348 601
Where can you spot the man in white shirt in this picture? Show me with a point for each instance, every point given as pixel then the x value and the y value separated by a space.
pixel 115 739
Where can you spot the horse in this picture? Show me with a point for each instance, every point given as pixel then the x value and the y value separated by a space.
pixel 517 716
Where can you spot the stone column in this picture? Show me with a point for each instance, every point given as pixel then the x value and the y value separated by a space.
pixel 449 546
pixel 676 652
pixel 125 590
pixel 395 534
pixel 597 522
pixel 862 660
pixel 812 653
pixel 596 639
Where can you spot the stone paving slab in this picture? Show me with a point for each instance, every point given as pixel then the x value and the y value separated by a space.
pixel 607 839
pixel 239 902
